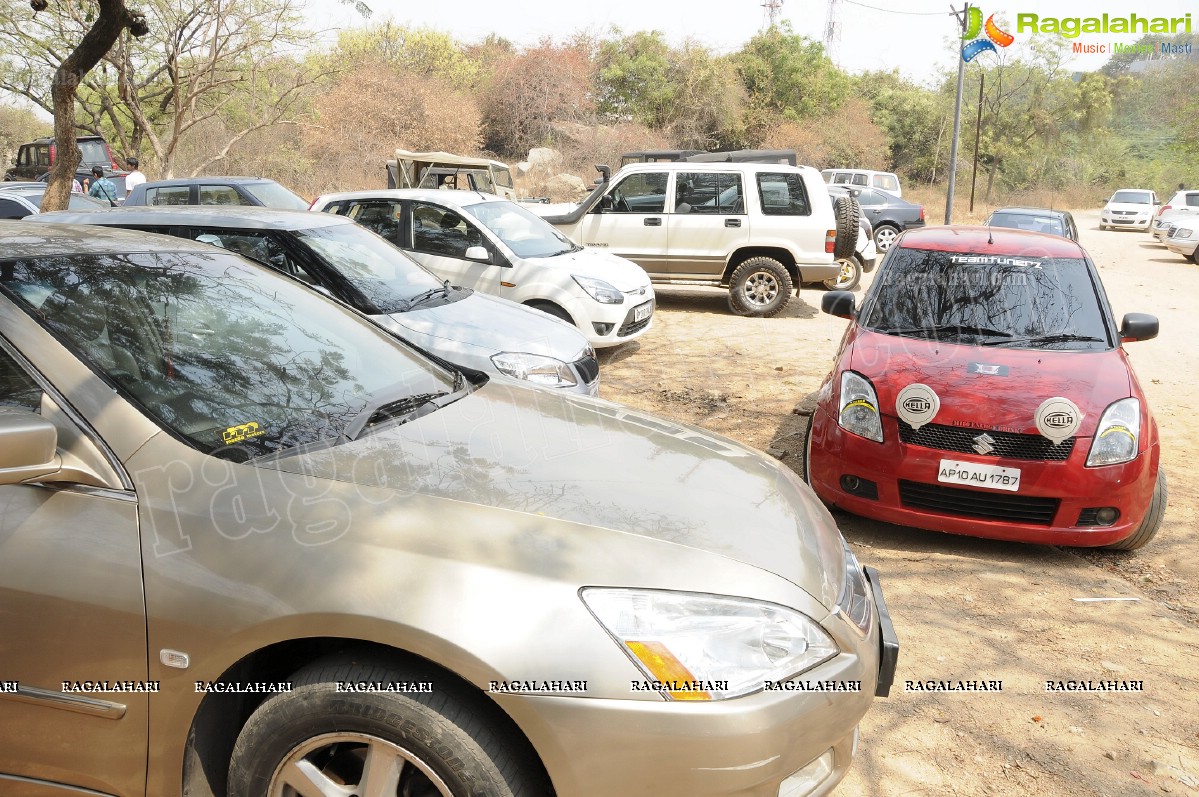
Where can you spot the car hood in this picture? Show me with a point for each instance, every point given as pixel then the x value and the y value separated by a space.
pixel 622 274
pixel 990 387
pixel 487 325
pixel 600 464
pixel 1140 207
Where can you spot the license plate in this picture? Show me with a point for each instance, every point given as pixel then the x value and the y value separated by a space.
pixel 643 311
pixel 972 474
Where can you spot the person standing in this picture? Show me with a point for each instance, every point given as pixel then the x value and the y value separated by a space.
pixel 135 176
pixel 102 188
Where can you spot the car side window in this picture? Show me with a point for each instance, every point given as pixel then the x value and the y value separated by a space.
pixel 861 179
pixel 220 195
pixel 783 194
pixel 168 195
pixel 708 192
pixel 870 198
pixel 42 153
pixel 441 231
pixel 1193 200
pixel 11 209
pixel 17 388
pixel 639 193
pixel 23 156
pixel 259 247
pixel 380 216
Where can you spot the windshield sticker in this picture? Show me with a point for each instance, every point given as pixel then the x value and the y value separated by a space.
pixel 994 260
pixel 241 433
pixel 1058 418
pixel 987 370
pixel 917 405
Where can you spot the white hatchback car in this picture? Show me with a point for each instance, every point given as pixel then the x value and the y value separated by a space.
pixel 496 246
pixel 1129 208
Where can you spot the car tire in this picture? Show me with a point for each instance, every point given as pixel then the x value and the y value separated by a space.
pixel 1152 520
pixel 440 742
pixel 1195 256
pixel 759 287
pixel 846 212
pixel 885 235
pixel 850 276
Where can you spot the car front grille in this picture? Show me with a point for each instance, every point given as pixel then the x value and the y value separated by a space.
pixel 1006 445
pixel 587 368
pixel 630 326
pixel 1031 510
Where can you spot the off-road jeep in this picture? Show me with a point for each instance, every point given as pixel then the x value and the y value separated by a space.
pixel 758 229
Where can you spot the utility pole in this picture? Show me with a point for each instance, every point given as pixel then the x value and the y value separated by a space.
pixel 978 127
pixel 957 117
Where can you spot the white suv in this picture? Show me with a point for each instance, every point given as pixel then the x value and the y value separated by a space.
pixel 758 229
pixel 483 242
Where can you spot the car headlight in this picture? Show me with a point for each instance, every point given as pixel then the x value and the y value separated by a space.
pixel 715 647
pixel 1182 232
pixel 535 368
pixel 854 601
pixel 599 290
pixel 1118 435
pixel 859 407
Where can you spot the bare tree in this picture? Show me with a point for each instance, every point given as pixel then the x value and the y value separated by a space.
pixel 111 19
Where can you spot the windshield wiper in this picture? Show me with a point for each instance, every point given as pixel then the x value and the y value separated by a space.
pixel 407 408
pixel 1059 337
pixel 934 331
pixel 441 290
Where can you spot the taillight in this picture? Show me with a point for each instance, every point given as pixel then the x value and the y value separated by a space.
pixel 830 241
pixel 53 151
pixel 922 212
pixel 111 158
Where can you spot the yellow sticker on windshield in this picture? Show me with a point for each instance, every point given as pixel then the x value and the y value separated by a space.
pixel 239 434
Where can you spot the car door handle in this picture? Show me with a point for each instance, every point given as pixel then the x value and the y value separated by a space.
pixel 732 222
pixel 652 222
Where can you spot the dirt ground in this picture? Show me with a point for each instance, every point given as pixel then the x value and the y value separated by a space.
pixel 977 609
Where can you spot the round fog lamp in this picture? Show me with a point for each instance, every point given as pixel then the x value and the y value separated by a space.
pixel 1107 516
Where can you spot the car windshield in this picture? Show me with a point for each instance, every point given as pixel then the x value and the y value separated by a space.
pixel 526 234
pixel 232 358
pixel 273 195
pixel 1027 221
pixel 992 300
pixel 1134 197
pixel 388 278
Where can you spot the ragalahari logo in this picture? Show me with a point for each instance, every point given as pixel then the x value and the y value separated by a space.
pixel 974 42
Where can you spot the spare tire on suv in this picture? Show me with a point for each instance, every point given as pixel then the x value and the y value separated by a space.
pixel 847 212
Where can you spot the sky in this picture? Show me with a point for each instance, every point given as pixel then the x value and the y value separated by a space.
pixel 913 36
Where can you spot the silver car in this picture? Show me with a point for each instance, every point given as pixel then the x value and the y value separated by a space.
pixel 252 545
pixel 335 255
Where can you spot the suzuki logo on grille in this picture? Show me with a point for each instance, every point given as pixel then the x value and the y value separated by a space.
pixel 984 443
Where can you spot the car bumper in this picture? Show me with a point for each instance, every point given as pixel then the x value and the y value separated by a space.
pixel 607 325
pixel 1182 246
pixel 1132 222
pixel 1065 494
pixel 753 746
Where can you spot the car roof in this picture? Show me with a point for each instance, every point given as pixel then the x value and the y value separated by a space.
pixel 1025 211
pixel 445 196
pixel 712 166
pixel 24 239
pixel 207 181
pixel 231 216
pixel 980 240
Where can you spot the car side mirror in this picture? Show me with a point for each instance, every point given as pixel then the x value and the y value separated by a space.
pixel 28 447
pixel 478 254
pixel 839 303
pixel 1138 326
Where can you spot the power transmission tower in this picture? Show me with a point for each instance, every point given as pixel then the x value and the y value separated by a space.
pixel 771 15
pixel 832 30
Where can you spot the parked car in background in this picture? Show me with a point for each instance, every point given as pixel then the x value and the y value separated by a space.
pixel 499 247
pixel 1184 235
pixel 35 158
pixel 982 388
pixel 755 229
pixel 454 172
pixel 341 259
pixel 864 178
pixel 1183 203
pixel 1129 208
pixel 1163 223
pixel 84 178
pixel 243 191
pixel 311 561
pixel 18 200
pixel 889 214
pixel 1053 222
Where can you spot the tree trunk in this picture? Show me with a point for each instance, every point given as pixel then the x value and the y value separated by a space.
pixel 111 18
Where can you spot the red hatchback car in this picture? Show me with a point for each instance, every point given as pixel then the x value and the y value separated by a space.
pixel 982 389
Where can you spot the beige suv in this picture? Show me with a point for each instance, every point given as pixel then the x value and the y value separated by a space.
pixel 757 229
pixel 251 544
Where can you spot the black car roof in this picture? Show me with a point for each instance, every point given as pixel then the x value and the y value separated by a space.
pixel 226 216
pixel 21 239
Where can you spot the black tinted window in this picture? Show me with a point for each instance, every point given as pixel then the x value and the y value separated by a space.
pixel 17 388
pixel 782 194
pixel 1029 302
pixel 10 209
